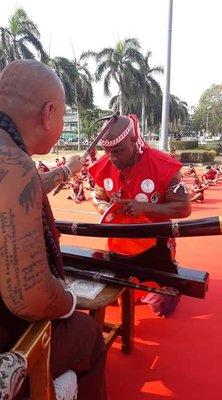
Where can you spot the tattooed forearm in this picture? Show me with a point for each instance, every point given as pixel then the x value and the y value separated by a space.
pixel 50 180
pixel 28 195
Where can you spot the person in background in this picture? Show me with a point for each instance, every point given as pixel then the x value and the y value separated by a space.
pixel 210 176
pixel 197 192
pixel 42 167
pixel 77 191
pixel 190 171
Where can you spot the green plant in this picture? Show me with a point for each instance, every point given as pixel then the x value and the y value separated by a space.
pixel 183 144
pixel 198 156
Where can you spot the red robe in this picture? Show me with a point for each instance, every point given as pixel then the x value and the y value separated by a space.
pixel 147 181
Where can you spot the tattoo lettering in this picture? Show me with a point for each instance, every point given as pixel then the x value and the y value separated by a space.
pixel 19 278
pixel 9 253
pixel 28 195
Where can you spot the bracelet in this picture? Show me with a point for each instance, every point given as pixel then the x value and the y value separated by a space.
pixel 73 306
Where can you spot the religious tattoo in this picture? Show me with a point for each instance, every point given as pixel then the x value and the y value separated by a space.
pixel 14 156
pixel 19 278
pixel 9 253
pixel 28 195
pixel 51 179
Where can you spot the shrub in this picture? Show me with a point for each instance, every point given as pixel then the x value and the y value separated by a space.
pixel 183 144
pixel 198 156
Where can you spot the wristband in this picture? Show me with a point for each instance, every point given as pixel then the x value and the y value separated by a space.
pixel 73 305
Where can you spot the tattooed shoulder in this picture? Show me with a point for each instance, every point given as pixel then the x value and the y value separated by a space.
pixel 11 156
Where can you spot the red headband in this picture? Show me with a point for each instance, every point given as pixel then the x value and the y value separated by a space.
pixel 133 124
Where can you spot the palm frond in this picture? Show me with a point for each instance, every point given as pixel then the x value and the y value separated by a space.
pixel 106 84
pixel 100 71
pixel 29 38
pixel 131 42
pixel 24 51
pixel 107 52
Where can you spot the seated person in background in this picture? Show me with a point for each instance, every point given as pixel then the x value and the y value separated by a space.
pixel 58 163
pixel 42 167
pixel 190 171
pixel 210 176
pixel 76 189
pixel 172 153
pixel 218 171
pixel 197 193
pixel 63 162
pixel 32 285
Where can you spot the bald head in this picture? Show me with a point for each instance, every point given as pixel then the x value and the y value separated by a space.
pixel 32 95
pixel 28 84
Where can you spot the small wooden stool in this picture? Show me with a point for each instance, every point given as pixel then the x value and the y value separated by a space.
pixel 97 308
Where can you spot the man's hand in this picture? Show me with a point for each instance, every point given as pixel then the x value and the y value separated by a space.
pixel 75 164
pixel 133 207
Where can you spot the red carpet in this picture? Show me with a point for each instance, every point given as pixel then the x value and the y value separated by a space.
pixel 178 357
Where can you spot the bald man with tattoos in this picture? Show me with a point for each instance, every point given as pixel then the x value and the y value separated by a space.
pixel 32 287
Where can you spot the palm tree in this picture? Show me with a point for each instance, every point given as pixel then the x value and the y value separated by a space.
pixel 77 82
pixel 21 39
pixel 121 65
pixel 178 112
pixel 149 87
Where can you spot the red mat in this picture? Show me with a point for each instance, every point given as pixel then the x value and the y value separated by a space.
pixel 178 357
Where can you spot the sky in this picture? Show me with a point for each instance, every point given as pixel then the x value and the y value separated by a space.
pixel 74 26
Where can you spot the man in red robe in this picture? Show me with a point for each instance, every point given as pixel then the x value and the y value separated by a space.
pixel 145 181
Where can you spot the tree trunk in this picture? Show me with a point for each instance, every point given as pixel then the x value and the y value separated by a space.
pixel 78 127
pixel 143 116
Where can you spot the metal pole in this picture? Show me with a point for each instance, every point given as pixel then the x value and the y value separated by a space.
pixel 166 92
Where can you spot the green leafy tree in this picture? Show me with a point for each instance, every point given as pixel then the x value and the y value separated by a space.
pixel 119 64
pixel 21 39
pixel 178 113
pixel 208 114
pixel 89 118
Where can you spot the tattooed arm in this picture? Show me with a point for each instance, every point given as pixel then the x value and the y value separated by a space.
pixel 27 286
pixel 50 180
pixel 100 199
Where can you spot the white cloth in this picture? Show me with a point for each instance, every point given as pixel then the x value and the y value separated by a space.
pixel 13 368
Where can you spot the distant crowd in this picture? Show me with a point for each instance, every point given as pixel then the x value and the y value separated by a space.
pixel 80 182
pixel 211 176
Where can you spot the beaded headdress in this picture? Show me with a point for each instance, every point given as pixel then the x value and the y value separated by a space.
pixel 133 125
